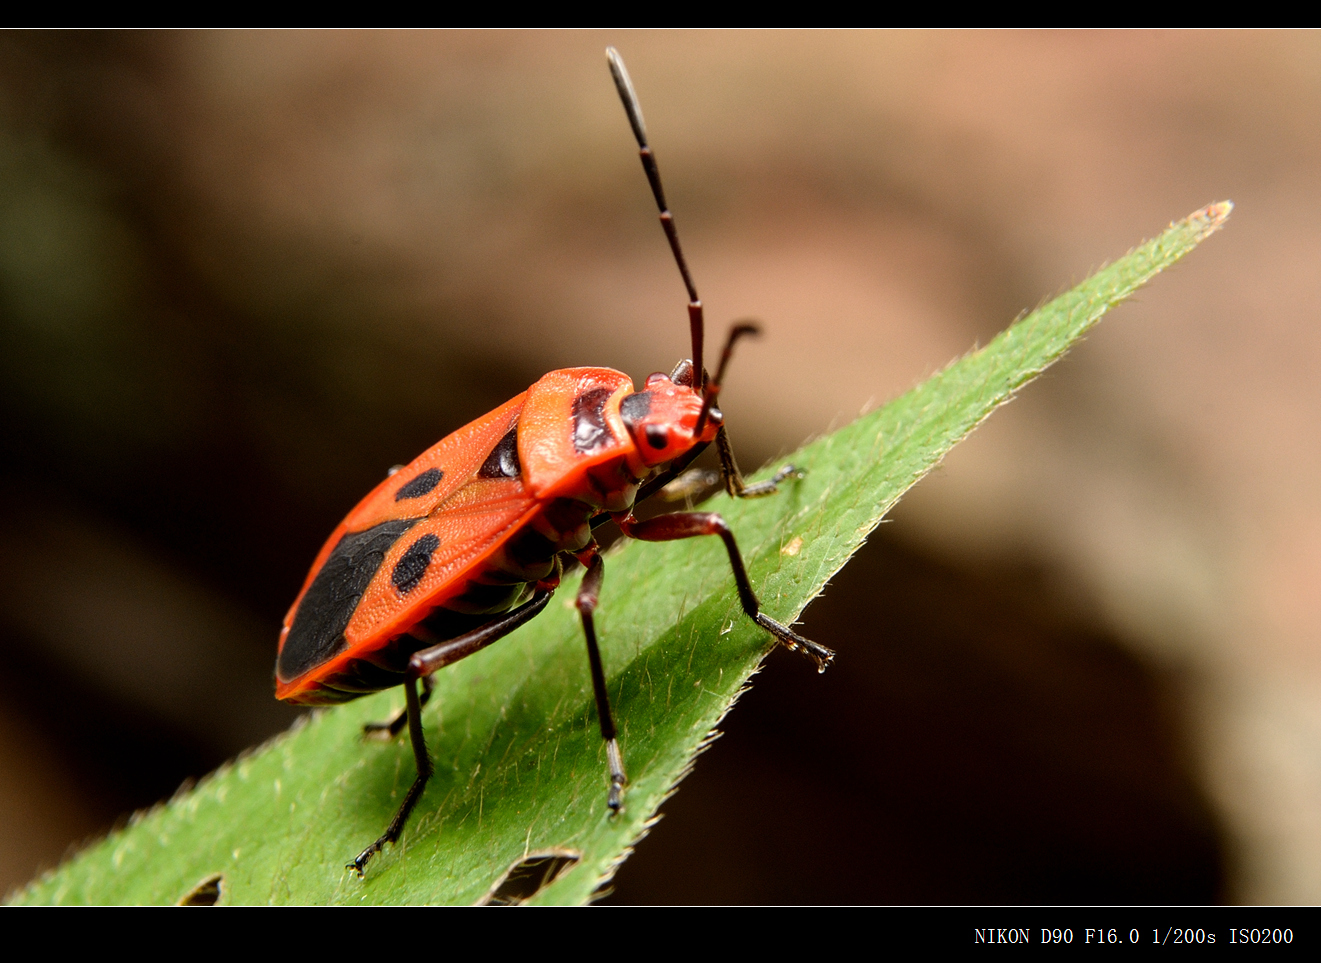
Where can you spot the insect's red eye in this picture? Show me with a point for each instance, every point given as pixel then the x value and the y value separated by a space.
pixel 657 437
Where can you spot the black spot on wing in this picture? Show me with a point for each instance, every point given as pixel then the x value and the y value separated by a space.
pixel 423 484
pixel 503 460
pixel 318 630
pixel 590 431
pixel 408 571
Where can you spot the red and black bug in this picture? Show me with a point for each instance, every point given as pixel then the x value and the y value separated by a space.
pixel 467 543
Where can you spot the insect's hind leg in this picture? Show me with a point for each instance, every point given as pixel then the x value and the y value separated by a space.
pixel 589 596
pixel 421 665
pixel 668 528
pixel 734 483
pixel 413 712
pixel 396 725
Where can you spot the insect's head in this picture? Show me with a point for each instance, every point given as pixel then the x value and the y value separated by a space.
pixel 663 417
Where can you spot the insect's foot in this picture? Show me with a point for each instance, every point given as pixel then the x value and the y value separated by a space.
pixel 762 489
pixel 359 865
pixel 618 779
pixel 821 656
pixel 796 643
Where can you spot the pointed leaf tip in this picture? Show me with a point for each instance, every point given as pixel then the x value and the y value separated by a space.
pixel 1209 219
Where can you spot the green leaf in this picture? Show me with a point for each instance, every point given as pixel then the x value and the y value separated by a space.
pixel 520 766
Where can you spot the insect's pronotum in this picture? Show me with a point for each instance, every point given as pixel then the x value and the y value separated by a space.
pixel 467 543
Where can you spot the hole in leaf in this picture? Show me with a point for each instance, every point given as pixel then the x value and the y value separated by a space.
pixel 205 893
pixel 529 876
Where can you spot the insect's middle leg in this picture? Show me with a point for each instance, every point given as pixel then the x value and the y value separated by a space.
pixel 668 528
pixel 589 596
pixel 413 711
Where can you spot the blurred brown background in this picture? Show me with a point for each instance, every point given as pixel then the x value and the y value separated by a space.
pixel 243 274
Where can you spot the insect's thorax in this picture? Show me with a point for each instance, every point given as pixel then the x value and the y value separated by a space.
pixel 586 441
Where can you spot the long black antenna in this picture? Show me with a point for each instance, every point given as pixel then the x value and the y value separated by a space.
pixel 630 98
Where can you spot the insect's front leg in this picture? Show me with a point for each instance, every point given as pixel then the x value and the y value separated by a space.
pixel 669 528
pixel 589 596
pixel 734 483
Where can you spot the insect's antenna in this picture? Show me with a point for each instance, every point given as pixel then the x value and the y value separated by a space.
pixel 713 386
pixel 630 98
